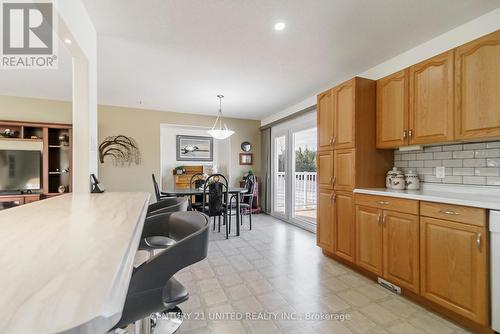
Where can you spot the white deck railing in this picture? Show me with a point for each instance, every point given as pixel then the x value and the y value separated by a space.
pixel 305 190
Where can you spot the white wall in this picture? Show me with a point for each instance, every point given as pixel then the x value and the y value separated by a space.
pixel 75 24
pixel 471 30
pixel 168 133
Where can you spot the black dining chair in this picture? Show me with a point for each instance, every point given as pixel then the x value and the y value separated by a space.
pixel 246 201
pixel 196 182
pixel 158 194
pixel 153 287
pixel 215 199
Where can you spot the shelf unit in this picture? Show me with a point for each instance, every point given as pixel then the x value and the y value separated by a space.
pixel 56 153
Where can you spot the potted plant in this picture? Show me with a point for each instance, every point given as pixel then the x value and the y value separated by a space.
pixel 179 170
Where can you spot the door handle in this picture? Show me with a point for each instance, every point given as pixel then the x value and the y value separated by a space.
pixel 478 241
pixel 332 197
pixel 334 140
pixel 334 178
pixel 378 218
pixel 404 134
pixel 383 219
pixel 410 133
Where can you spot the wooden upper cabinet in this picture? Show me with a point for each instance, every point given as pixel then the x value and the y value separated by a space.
pixel 369 239
pixel 401 249
pixel 325 119
pixel 454 270
pixel 344 170
pixel 343 232
pixel 344 115
pixel 392 110
pixel 477 88
pixel 325 168
pixel 324 228
pixel 431 100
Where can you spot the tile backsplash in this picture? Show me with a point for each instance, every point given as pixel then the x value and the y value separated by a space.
pixel 473 164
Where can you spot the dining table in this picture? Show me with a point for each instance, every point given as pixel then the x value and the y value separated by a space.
pixel 182 192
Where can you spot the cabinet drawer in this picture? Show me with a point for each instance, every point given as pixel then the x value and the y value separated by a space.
pixel 457 213
pixel 388 203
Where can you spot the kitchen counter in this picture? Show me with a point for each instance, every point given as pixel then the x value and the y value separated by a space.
pixel 67 261
pixel 480 197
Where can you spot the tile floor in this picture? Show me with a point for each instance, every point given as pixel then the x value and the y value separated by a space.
pixel 277 269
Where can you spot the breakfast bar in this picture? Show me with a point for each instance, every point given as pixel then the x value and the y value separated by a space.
pixel 67 261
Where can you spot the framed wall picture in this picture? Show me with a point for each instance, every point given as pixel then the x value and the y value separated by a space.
pixel 246 158
pixel 194 148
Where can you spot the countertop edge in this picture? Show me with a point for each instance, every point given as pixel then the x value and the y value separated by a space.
pixel 431 198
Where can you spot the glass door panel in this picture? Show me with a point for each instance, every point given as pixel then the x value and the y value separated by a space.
pixel 304 172
pixel 280 156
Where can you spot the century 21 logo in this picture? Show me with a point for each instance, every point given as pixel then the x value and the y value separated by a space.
pixel 27 29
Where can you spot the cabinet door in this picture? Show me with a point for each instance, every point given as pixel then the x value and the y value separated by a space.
pixel 392 110
pixel 477 85
pixel 344 119
pixel 344 176
pixel 431 100
pixel 369 239
pixel 324 228
pixel 401 249
pixel 325 168
pixel 343 233
pixel 325 120
pixel 454 267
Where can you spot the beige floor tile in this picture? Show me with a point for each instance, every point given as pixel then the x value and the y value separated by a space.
pixel 354 298
pixel 213 297
pixel 237 292
pixel 378 314
pixel 404 328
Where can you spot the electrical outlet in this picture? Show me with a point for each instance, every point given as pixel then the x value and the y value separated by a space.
pixel 440 172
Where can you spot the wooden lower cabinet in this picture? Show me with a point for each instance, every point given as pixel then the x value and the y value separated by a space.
pixel 454 267
pixel 325 168
pixel 401 249
pixel 324 227
pixel 343 231
pixel 369 239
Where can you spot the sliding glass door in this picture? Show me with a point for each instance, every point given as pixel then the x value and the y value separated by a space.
pixel 294 171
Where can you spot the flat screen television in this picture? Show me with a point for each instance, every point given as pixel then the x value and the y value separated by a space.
pixel 20 170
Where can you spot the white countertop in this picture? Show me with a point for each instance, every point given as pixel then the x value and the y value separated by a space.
pixel 66 262
pixel 480 197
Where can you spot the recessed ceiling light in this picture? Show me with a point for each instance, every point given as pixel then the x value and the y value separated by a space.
pixel 279 26
pixel 67 41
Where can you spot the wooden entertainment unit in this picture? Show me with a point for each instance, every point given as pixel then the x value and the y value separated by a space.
pixel 56 151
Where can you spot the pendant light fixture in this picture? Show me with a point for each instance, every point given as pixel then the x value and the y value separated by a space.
pixel 220 129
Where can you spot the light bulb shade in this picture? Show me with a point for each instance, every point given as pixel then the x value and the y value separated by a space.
pixel 220 133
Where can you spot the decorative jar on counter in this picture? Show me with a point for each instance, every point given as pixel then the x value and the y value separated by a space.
pixel 412 181
pixel 390 174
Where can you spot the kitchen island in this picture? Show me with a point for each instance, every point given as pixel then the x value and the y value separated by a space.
pixel 67 261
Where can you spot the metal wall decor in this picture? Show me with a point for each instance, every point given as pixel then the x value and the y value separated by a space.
pixel 123 150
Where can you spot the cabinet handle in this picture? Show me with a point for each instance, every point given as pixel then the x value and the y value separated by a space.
pixel 378 218
pixel 404 134
pixel 410 133
pixel 332 197
pixel 334 140
pixel 334 179
pixel 331 141
pixel 383 220
pixel 478 241
pixel 383 203
pixel 331 179
pixel 449 212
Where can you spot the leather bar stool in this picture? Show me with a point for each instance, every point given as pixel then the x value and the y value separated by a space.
pixel 170 204
pixel 153 287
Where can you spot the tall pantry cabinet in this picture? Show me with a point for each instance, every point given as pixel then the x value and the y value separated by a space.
pixel 346 159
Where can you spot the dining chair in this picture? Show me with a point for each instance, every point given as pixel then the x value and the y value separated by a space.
pixel 158 195
pixel 196 182
pixel 215 199
pixel 246 201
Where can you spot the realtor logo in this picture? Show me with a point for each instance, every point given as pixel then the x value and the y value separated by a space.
pixel 29 39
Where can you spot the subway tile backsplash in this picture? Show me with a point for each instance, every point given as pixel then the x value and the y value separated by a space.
pixel 474 163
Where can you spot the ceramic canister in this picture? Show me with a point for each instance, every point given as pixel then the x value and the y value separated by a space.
pixel 398 182
pixel 412 181
pixel 390 174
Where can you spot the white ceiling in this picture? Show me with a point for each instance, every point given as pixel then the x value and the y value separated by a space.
pixel 177 55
